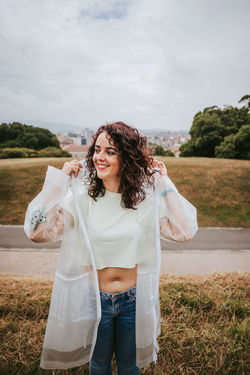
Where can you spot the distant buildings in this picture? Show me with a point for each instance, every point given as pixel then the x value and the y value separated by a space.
pixel 167 139
pixel 76 150
pixel 77 142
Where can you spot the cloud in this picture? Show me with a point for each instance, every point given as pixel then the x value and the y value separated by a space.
pixel 100 10
pixel 89 62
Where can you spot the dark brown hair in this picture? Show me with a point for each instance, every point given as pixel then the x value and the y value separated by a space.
pixel 135 164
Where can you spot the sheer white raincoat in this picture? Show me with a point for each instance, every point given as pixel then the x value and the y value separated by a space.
pixel 75 309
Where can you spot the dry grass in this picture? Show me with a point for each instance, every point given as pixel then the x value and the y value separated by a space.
pixel 32 162
pixel 20 181
pixel 219 188
pixel 205 325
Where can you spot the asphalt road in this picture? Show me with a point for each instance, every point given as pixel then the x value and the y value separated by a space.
pixel 211 250
pixel 13 237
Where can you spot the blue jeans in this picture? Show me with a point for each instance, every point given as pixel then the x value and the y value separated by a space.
pixel 116 332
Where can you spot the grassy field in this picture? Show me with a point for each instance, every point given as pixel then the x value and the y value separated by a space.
pixel 219 188
pixel 205 326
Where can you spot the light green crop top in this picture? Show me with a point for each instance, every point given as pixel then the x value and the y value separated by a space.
pixel 115 232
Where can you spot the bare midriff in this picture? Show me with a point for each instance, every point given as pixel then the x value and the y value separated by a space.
pixel 116 279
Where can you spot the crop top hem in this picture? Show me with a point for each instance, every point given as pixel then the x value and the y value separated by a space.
pixel 113 266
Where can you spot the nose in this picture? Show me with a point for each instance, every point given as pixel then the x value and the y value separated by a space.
pixel 101 155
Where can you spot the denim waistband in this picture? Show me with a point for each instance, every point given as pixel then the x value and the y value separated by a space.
pixel 120 294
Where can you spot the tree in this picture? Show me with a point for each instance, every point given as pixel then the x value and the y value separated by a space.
pixel 30 141
pixel 219 132
pixel 26 136
pixel 242 142
pixel 15 130
pixel 226 149
pixel 3 132
pixel 206 132
pixel 188 148
pixel 235 146
pixel 245 98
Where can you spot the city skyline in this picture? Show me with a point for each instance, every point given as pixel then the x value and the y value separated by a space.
pixel 77 143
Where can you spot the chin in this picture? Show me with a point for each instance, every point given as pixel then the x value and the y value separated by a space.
pixel 101 175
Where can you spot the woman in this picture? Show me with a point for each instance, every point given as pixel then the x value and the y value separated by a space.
pixel 105 294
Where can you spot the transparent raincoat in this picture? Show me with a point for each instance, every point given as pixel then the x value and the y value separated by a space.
pixel 60 212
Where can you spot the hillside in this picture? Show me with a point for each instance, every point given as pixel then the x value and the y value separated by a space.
pixel 219 188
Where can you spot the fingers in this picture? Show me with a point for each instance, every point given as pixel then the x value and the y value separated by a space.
pixel 75 167
pixel 76 163
pixel 72 167
pixel 161 166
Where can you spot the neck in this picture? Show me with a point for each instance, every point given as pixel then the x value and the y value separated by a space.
pixel 112 185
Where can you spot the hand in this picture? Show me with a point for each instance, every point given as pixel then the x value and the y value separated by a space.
pixel 161 166
pixel 72 167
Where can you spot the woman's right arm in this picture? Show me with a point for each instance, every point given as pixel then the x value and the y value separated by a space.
pixel 45 218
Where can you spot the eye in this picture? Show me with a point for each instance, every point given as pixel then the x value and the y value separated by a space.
pixel 110 152
pixel 97 150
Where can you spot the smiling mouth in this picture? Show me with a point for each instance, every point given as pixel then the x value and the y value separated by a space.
pixel 102 166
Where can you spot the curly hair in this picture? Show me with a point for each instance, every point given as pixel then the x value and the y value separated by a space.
pixel 136 170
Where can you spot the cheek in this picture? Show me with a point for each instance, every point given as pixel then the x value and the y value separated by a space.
pixel 117 165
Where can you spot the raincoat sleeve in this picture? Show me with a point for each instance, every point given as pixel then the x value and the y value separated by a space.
pixel 46 216
pixel 178 217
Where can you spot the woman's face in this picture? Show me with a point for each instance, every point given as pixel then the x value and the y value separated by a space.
pixel 106 159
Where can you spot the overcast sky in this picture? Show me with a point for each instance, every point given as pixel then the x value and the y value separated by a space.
pixel 152 64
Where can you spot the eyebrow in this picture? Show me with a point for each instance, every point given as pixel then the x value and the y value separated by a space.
pixel 107 148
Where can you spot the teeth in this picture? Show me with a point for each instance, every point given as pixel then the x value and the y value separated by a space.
pixel 102 166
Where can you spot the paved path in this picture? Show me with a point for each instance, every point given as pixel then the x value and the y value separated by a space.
pixel 212 250
pixel 13 236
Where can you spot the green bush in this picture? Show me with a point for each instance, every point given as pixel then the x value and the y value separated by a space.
pixel 17 152
pixel 53 152
pixel 158 150
pixel 21 152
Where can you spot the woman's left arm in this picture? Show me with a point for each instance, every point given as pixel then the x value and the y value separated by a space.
pixel 178 217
